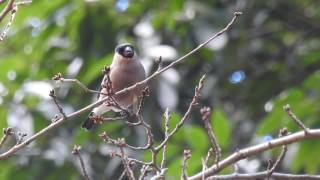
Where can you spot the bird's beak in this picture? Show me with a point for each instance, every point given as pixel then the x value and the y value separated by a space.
pixel 128 52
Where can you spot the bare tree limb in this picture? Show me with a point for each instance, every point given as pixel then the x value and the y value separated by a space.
pixel 186 157
pixel 205 112
pixel 264 174
pixel 166 133
pixel 6 133
pixel 53 95
pixel 256 149
pixel 58 77
pixel 13 9
pixel 7 9
pixel 295 118
pixel 76 151
pixel 278 161
pixel 283 132
pixel 186 115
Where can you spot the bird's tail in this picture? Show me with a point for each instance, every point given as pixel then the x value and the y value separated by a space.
pixel 88 123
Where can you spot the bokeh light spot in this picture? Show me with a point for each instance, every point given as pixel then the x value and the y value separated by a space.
pixel 122 5
pixel 237 77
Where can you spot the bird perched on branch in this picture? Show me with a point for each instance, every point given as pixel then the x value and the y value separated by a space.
pixel 125 70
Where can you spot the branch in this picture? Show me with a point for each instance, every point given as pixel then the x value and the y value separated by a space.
pixel 205 112
pixel 278 161
pixel 6 133
pixel 256 149
pixel 58 77
pixel 262 175
pixel 76 151
pixel 295 118
pixel 7 9
pixel 11 7
pixel 53 95
pixel 186 115
pixel 283 132
pixel 121 144
pixel 166 134
pixel 89 107
pixel 186 157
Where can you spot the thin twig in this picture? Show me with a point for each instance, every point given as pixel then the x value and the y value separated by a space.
pixel 59 78
pixel 209 154
pixel 160 175
pixel 7 9
pixel 144 171
pixel 166 133
pixel 121 144
pixel 53 95
pixel 76 151
pixel 271 169
pixel 205 112
pixel 123 174
pixel 186 156
pixel 146 126
pixel 23 2
pixel 295 118
pixel 6 133
pixel 144 94
pixel 57 123
pixel 278 161
pixel 13 11
pixel 186 115
pixel 107 119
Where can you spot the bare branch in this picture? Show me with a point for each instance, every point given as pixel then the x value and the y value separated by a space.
pixel 146 126
pixel 59 78
pixel 7 9
pixel 144 94
pixel 271 169
pixel 186 115
pixel 278 161
pixel 6 133
pixel 209 154
pixel 55 100
pixel 13 9
pixel 76 151
pixel 160 175
pixel 123 174
pixel 256 149
pixel 262 175
pixel 121 144
pixel 295 118
pixel 144 170
pixel 186 156
pixel 205 112
pixel 166 134
pixel 23 2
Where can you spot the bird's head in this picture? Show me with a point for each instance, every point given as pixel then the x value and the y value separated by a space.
pixel 125 50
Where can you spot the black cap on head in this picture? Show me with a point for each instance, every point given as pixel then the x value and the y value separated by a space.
pixel 125 50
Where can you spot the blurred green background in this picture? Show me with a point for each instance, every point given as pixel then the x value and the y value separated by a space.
pixel 269 58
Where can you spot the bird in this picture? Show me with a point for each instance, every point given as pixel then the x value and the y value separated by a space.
pixel 125 70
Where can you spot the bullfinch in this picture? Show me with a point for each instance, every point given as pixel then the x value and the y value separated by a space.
pixel 125 71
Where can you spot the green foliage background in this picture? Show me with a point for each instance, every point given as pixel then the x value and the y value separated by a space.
pixel 274 47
